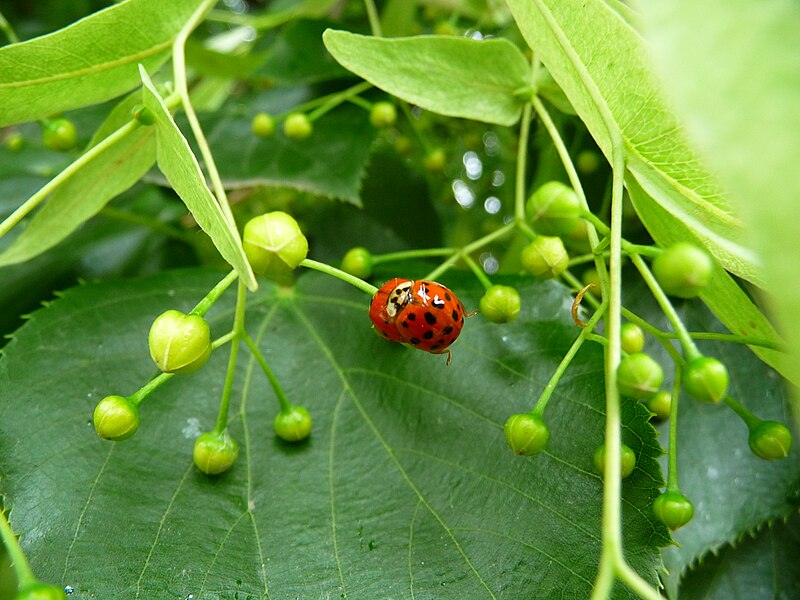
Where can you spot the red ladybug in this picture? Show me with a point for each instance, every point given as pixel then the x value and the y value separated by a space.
pixel 422 313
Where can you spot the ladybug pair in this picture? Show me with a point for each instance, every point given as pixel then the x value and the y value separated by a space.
pixel 422 313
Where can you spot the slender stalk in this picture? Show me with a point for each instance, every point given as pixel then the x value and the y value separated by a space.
pixel 477 271
pixel 149 387
pixel 689 347
pixel 469 248
pixel 64 175
pixel 362 102
pixel 406 254
pixel 339 274
pixel 336 99
pixel 672 469
pixel 238 331
pixel 22 569
pixel 522 158
pixel 634 581
pixel 285 405
pixel 584 334
pixel 182 89
pixel 745 415
pixel 374 21
pixel 6 27
pixel 212 296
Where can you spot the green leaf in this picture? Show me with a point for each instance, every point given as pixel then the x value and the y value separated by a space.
pixel 744 116
pixel 405 484
pixel 733 491
pixel 83 195
pixel 763 567
pixel 600 63
pixel 329 163
pixel 180 167
pixel 457 77
pixel 88 62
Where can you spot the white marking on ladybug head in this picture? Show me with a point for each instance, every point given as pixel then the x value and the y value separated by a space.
pixel 398 298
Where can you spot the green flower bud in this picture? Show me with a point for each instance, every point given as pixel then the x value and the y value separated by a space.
pixel 639 376
pixel 15 142
pixel 435 160
pixel 179 343
pixel 274 245
pixel 263 125
pixel 592 277
pixel 383 115
pixel 214 453
pixel 40 591
pixel 59 135
pixel 116 418
pixel 631 338
pixel 627 460
pixel 294 425
pixel 587 161
pixel 526 433
pixel 683 270
pixel 297 126
pixel 402 144
pixel 770 440
pixel 660 404
pixel 143 115
pixel 545 257
pixel 673 509
pixel 357 262
pixel 554 209
pixel 500 304
pixel 705 379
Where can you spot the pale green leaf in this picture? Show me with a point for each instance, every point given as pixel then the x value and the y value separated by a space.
pixel 179 165
pixel 453 76
pixel 84 194
pixel 745 116
pixel 600 63
pixel 406 487
pixel 90 61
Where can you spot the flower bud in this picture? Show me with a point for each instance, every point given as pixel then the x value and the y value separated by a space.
pixel 179 343
pixel 683 270
pixel 297 126
pixel 357 262
pixel 59 135
pixel 143 115
pixel 435 160
pixel 116 418
pixel 214 453
pixel 545 257
pixel 770 440
pixel 263 125
pixel 526 433
pixel 274 245
pixel 15 142
pixel 660 405
pixel 383 115
pixel 500 304
pixel 631 338
pixel 293 425
pixel 627 460
pixel 705 379
pixel 639 376
pixel 554 209
pixel 673 509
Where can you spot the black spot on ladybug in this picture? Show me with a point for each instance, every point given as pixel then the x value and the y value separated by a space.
pixel 442 341
pixel 386 321
pixel 429 318
pixel 386 335
pixel 455 315
pixel 447 330
pixel 447 297
pixel 414 341
pixel 436 347
pixel 412 317
pixel 428 335
pixel 404 323
pixel 438 303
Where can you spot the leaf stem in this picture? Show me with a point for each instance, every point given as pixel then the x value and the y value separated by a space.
pixel 672 469
pixel 285 405
pixel 6 27
pixel 374 21
pixel 19 563
pixel 745 415
pixel 336 99
pixel 212 296
pixel 365 287
pixel 479 273
pixel 64 175
pixel 181 87
pixel 346 94
pixel 238 331
pixel 406 254
pixel 471 247
pixel 522 159
pixel 584 334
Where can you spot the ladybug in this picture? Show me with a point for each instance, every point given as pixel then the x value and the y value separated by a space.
pixel 422 313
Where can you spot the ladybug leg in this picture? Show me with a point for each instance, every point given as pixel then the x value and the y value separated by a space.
pixel 472 314
pixel 449 358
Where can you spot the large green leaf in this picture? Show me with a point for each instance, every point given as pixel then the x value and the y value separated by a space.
pixel 406 486
pixel 600 63
pixel 90 61
pixel 180 167
pixel 457 77
pixel 84 194
pixel 745 116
